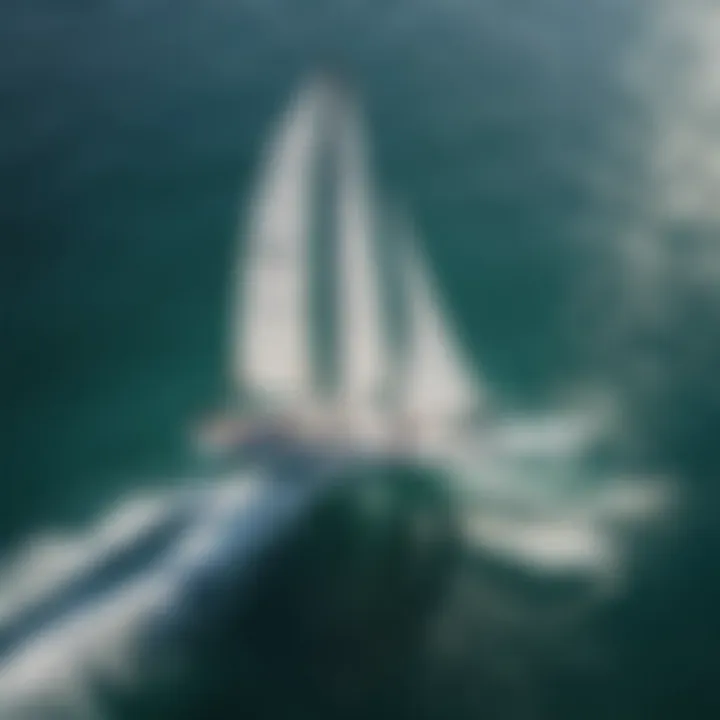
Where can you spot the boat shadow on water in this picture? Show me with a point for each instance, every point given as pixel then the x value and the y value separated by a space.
pixel 337 617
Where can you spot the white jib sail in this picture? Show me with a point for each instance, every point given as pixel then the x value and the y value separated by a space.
pixel 362 347
pixel 271 353
pixel 438 389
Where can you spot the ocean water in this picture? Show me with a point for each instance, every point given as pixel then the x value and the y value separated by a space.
pixel 560 159
pixel 130 138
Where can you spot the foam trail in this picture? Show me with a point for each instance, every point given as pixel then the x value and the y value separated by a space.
pixel 128 623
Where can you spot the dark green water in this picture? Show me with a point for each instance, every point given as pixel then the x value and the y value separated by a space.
pixel 523 135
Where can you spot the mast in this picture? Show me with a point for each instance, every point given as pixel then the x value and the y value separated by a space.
pixel 362 348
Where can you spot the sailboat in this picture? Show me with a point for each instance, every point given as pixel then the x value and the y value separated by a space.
pixel 273 330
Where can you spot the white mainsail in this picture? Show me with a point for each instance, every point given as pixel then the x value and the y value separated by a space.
pixel 438 388
pixel 362 343
pixel 271 343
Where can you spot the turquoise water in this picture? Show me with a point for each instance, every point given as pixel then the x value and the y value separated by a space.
pixel 131 135
pixel 522 135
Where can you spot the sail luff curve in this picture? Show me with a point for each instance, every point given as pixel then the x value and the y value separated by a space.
pixel 271 353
